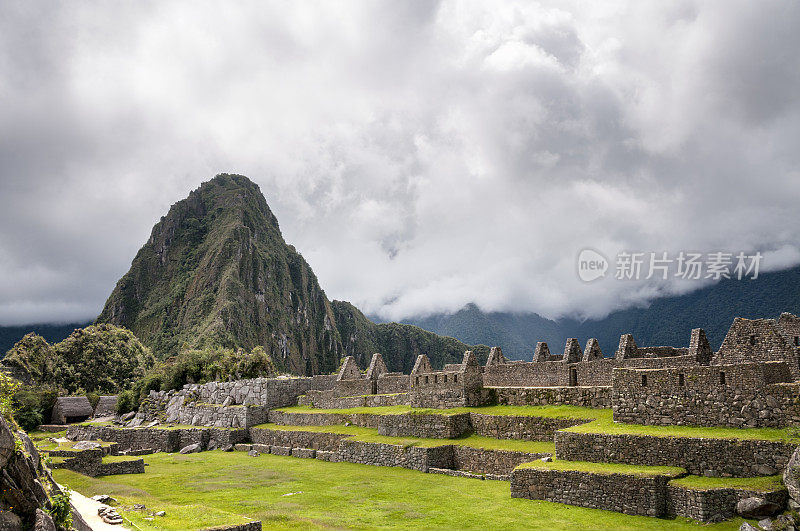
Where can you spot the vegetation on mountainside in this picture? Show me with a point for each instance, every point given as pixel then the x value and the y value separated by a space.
pixel 96 360
pixel 198 366
pixel 217 488
pixel 216 272
pixel 53 333
pixel 100 359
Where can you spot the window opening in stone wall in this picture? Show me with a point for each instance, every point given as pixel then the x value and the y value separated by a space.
pixel 681 380
pixel 644 380
pixel 417 380
pixel 426 379
pixel 445 378
pixel 435 378
pixel 455 378
pixel 797 341
pixel 752 340
pixel 722 378
pixel 573 377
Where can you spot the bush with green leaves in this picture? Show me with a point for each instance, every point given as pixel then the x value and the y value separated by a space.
pixel 198 366
pixel 60 509
pixel 101 359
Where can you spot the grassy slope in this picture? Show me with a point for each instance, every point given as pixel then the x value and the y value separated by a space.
pixel 198 490
pixel 603 421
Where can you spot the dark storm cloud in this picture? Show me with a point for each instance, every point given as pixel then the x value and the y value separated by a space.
pixel 421 155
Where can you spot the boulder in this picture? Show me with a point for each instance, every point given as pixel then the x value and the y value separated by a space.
pixel 791 476
pixel 128 416
pixel 43 522
pixel 104 498
pixel 191 449
pixel 10 521
pixel 253 453
pixel 747 527
pixel 227 448
pixel 86 445
pixel 756 507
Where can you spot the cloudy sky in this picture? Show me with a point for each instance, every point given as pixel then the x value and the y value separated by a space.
pixel 420 155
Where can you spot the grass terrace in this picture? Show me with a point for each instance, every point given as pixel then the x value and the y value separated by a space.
pixel 606 468
pixel 601 421
pixel 217 488
pixel 472 441
pixel 760 484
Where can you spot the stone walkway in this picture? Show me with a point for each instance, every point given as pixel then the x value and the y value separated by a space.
pixel 87 507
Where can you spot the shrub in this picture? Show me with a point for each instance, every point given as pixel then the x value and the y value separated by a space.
pixel 60 510
pixel 8 387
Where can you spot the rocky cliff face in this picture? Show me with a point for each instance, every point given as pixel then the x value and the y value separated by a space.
pixel 25 483
pixel 217 272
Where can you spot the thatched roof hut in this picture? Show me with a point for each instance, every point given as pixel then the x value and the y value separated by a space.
pixel 71 409
pixel 106 406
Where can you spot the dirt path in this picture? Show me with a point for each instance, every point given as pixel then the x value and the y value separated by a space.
pixel 87 507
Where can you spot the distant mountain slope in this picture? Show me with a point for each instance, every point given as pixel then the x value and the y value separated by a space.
pixel 217 272
pixel 53 333
pixel 666 321
pixel 400 344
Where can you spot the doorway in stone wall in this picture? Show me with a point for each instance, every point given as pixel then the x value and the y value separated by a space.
pixel 573 377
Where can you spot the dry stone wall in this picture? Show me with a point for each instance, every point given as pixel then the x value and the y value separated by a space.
pixel 158 439
pixel 519 427
pixel 594 397
pixel 714 505
pixel 425 426
pixel 199 414
pixel 627 494
pixel 747 395
pixel 703 457
pixel 496 462
pixel 297 439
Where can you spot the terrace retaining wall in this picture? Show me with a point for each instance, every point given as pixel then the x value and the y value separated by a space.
pixel 714 505
pixel 297 439
pixel 520 427
pixel 709 457
pixel 426 426
pixel 164 440
pixel 594 397
pixel 629 494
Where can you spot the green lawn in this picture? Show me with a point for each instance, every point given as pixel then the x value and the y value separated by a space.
pixel 763 484
pixel 607 468
pixel 474 441
pixel 216 488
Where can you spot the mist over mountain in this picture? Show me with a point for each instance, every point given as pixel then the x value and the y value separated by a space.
pixel 667 321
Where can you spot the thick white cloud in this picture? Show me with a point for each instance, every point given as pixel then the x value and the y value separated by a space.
pixel 420 155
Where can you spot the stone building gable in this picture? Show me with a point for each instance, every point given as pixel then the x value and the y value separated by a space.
pixel 592 351
pixel 349 370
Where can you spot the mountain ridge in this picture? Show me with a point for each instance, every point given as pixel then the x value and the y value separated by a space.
pixel 666 321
